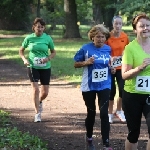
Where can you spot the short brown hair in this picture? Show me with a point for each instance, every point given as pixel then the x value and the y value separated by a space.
pixel 98 28
pixel 137 18
pixel 40 20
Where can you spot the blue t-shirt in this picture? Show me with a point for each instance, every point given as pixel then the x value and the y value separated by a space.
pixel 96 76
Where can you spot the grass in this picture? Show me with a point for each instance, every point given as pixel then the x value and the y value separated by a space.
pixel 12 138
pixel 62 64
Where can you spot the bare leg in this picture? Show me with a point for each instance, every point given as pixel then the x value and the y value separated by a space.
pixel 148 145
pixel 130 146
pixel 110 108
pixel 35 96
pixel 119 104
pixel 44 92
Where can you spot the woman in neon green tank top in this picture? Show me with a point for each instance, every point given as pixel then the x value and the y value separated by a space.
pixel 136 73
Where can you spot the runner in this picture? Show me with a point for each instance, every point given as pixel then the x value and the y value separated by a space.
pixel 94 57
pixel 136 72
pixel 38 63
pixel 117 41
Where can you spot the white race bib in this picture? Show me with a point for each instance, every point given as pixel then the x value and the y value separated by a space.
pixel 143 83
pixel 99 75
pixel 117 62
pixel 38 62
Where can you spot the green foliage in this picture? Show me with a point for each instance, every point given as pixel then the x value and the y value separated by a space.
pixel 12 138
pixel 132 7
pixel 14 14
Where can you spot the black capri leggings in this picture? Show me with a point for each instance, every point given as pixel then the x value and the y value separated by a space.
pixel 120 83
pixel 103 101
pixel 134 105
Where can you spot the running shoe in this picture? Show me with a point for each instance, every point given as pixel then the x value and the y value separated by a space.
pixel 37 117
pixel 120 115
pixel 40 107
pixel 89 144
pixel 111 116
pixel 107 147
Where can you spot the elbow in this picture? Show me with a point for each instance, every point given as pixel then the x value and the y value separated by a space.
pixel 124 77
pixel 54 52
pixel 75 65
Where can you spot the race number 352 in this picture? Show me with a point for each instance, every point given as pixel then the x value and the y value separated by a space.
pixel 143 83
pixel 99 75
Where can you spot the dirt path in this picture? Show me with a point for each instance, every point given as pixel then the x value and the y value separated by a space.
pixel 63 116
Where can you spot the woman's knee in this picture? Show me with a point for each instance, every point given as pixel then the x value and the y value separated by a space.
pixel 36 90
pixel 44 94
pixel 133 136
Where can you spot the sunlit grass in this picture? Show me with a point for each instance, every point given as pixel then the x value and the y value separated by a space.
pixel 129 28
pixel 63 63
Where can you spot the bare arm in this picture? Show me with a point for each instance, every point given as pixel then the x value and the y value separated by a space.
pixel 128 72
pixel 84 63
pixel 52 55
pixel 21 53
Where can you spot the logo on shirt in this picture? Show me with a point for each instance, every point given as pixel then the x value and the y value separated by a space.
pixel 102 57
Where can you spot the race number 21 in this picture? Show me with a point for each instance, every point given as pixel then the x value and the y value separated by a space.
pixel 143 83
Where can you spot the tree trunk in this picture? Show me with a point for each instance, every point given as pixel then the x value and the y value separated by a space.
pixel 109 14
pixel 97 13
pixel 38 8
pixel 71 27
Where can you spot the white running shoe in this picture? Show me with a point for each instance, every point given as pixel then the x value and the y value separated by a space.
pixel 111 116
pixel 40 107
pixel 120 115
pixel 37 117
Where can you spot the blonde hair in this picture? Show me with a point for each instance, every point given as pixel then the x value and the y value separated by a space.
pixel 96 29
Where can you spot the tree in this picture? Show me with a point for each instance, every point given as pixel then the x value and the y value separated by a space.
pixel 102 13
pixel 14 14
pixel 71 27
pixel 38 8
pixel 131 8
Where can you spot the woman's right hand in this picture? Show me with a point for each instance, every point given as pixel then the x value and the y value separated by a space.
pixel 26 62
pixel 145 63
pixel 90 60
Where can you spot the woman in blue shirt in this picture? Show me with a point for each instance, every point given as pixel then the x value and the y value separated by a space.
pixel 94 57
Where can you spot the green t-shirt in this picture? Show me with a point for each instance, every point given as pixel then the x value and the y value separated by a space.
pixel 134 55
pixel 38 48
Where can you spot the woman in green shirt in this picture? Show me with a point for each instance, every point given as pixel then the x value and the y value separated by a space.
pixel 38 63
pixel 136 73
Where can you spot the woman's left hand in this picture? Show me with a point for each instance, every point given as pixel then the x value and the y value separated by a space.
pixel 45 60
pixel 113 70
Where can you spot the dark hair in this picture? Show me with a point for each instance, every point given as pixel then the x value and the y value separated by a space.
pixel 137 18
pixel 40 20
pixel 115 18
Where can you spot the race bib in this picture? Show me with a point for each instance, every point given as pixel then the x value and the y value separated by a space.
pixel 99 75
pixel 117 62
pixel 38 62
pixel 143 83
